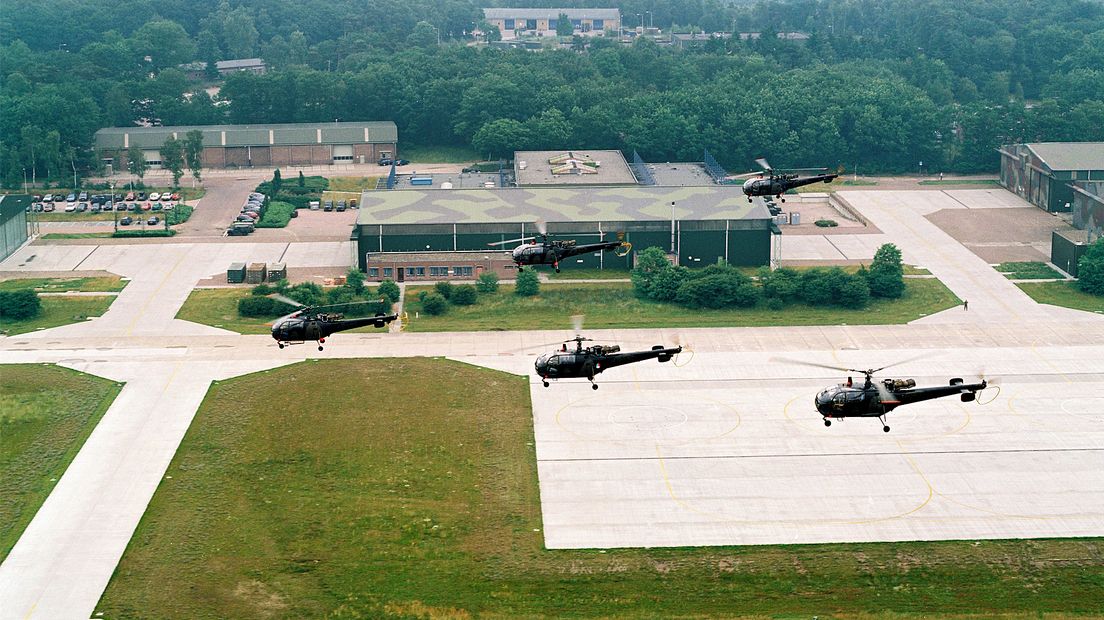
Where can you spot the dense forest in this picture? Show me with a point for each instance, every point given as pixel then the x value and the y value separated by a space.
pixel 878 86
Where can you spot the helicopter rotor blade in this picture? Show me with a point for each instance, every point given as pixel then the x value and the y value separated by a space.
pixel 746 175
pixel 904 361
pixel 814 364
pixel 351 303
pixel 287 300
pixel 763 163
pixel 883 392
pixel 541 226
pixel 520 239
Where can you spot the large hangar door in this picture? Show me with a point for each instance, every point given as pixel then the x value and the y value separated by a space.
pixel 343 152
pixel 153 157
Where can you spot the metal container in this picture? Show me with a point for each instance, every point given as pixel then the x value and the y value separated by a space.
pixel 277 271
pixel 236 273
pixel 795 218
pixel 255 273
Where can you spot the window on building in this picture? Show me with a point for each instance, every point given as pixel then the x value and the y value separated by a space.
pixel 465 271
pixel 410 272
pixel 373 272
pixel 421 271
pixel 387 271
pixel 551 24
pixel 530 24
pixel 509 23
pixel 599 24
pixel 433 271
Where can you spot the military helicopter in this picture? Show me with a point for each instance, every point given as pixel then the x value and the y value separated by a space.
pixel 552 251
pixel 874 399
pixel 307 323
pixel 580 361
pixel 778 182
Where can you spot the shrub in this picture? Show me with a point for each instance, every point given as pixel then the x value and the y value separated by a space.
pixel 307 293
pixel 179 214
pixel 422 295
pixel 854 293
pixel 444 289
pixel 19 305
pixel 435 304
pixel 886 275
pixel 464 295
pixel 160 232
pixel 527 284
pixel 276 215
pixel 340 295
pixel 354 279
pixel 775 304
pixel 389 290
pixel 650 262
pixel 666 282
pixel 827 223
pixel 783 284
pixel 488 282
pixel 262 307
pixel 723 288
pixel 814 288
pixel 262 289
pixel 1090 269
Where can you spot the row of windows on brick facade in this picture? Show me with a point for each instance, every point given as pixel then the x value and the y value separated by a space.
pixel 531 24
pixel 412 272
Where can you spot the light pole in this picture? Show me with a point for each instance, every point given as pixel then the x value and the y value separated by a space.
pixel 24 179
pixel 114 213
pixel 641 16
pixel 651 20
pixel 438 31
pixel 673 228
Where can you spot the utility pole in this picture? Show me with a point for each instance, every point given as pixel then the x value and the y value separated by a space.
pixel 673 229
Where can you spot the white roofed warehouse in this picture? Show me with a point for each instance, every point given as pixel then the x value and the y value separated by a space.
pixel 247 146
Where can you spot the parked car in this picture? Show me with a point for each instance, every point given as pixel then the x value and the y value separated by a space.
pixel 141 196
pixel 83 197
pixel 82 207
pixel 175 196
pixel 95 209
pixel 243 218
pixel 314 205
pixel 70 207
pixel 341 205
pixel 168 206
pixel 327 205
pixel 146 206
pixel 71 198
pixel 125 220
pixel 295 213
pixel 134 207
pixel 155 196
pixel 252 215
pixel 48 207
pixel 157 206
pixel 48 198
pixel 153 220
pixel 129 197
pixel 239 230
pixel 352 203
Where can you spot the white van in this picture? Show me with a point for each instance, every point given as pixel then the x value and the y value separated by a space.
pixel 314 205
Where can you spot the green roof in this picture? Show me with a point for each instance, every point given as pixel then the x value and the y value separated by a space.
pixel 1070 155
pixel 252 135
pixel 592 204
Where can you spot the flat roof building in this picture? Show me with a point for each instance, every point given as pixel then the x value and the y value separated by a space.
pixel 1044 173
pixel 571 168
pixel 244 146
pixel 543 22
pixel 698 225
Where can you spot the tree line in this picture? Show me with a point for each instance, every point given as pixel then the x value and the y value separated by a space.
pixel 879 85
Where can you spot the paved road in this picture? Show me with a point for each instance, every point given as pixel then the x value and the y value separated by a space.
pixel 720 451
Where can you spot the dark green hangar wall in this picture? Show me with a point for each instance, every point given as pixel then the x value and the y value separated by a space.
pixel 698 243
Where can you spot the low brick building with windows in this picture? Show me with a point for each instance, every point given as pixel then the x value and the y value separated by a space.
pixel 247 146
pixel 436 266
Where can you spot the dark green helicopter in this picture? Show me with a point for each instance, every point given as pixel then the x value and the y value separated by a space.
pixel 578 362
pixel 778 182
pixel 308 323
pixel 874 399
pixel 551 251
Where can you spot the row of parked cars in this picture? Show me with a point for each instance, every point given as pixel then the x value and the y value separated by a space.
pixel 96 203
pixel 127 220
pixel 251 211
pixel 330 205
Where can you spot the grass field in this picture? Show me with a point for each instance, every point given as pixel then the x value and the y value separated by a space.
pixel 985 182
pixel 110 284
pixel 352 184
pixel 218 307
pixel 1028 271
pixel 411 497
pixel 1064 294
pixel 439 154
pixel 46 413
pixel 613 305
pixel 587 274
pixel 60 310
pixel 102 235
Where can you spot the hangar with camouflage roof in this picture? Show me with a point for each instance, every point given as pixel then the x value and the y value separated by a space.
pixel 698 225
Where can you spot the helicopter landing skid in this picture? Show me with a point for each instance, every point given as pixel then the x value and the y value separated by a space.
pixel 885 427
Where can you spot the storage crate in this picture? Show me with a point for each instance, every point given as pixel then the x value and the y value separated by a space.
pixel 277 271
pixel 236 273
pixel 255 273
